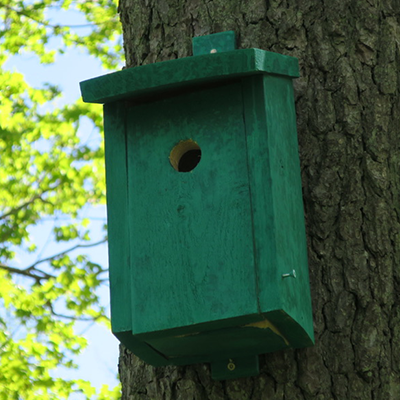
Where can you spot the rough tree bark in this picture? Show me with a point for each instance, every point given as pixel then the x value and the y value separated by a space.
pixel 348 104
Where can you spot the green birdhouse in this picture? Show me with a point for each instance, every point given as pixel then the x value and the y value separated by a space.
pixel 207 246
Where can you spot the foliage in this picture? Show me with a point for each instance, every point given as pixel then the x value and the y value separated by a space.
pixel 47 172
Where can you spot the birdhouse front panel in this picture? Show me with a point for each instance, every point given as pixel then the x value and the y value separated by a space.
pixel 191 231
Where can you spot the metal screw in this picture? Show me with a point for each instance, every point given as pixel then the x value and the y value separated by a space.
pixel 290 275
pixel 231 365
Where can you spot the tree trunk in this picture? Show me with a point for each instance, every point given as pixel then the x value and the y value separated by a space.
pixel 348 103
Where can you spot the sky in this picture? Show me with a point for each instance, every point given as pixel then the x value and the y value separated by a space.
pixel 98 363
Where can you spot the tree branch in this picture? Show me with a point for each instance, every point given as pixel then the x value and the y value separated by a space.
pixel 27 203
pixel 23 205
pixel 53 257
pixel 37 274
pixel 47 24
pixel 32 273
pixel 72 318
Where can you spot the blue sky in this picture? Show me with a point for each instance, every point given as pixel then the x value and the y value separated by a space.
pixel 98 364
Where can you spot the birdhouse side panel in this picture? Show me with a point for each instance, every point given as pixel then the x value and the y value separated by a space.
pixel 117 210
pixel 291 249
pixel 190 232
pixel 261 194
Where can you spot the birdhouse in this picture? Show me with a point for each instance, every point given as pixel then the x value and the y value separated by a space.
pixel 207 246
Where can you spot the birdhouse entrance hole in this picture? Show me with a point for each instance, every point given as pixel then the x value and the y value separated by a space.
pixel 185 156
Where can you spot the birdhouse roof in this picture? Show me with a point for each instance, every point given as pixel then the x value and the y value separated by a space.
pixel 182 74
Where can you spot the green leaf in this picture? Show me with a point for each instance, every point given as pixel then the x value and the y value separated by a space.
pixel 47 173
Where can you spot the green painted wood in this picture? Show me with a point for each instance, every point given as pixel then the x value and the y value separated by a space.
pixel 232 368
pixel 192 232
pixel 275 181
pixel 258 159
pixel 117 208
pixel 208 345
pixel 118 232
pixel 143 350
pixel 290 235
pixel 216 43
pixel 172 75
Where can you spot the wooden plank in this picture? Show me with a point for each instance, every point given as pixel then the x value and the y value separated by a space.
pixel 216 43
pixel 275 183
pixel 261 193
pixel 288 205
pixel 174 74
pixel 119 242
pixel 117 208
pixel 192 245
